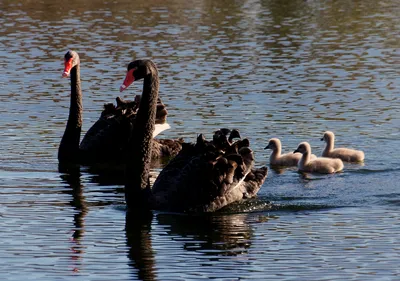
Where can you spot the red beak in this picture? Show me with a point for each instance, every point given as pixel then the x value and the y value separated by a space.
pixel 129 78
pixel 67 68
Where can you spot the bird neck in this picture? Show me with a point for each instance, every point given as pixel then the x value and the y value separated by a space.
pixel 330 143
pixel 305 158
pixel 276 153
pixel 137 186
pixel 69 146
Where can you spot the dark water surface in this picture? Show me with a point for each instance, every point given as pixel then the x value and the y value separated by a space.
pixel 287 69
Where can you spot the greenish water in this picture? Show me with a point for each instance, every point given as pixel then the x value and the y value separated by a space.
pixel 287 69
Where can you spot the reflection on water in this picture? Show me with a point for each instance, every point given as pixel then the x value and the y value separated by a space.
pixel 229 245
pixel 227 235
pixel 78 203
pixel 287 69
pixel 139 236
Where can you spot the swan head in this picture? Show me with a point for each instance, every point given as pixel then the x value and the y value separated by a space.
pixel 303 147
pixel 273 144
pixel 137 70
pixel 328 136
pixel 71 59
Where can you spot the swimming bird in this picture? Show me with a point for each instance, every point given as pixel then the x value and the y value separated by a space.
pixel 201 178
pixel 345 154
pixel 278 159
pixel 106 141
pixel 320 165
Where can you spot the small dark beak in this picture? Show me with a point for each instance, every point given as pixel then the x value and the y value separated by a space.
pixel 267 147
pixel 322 139
pixel 296 151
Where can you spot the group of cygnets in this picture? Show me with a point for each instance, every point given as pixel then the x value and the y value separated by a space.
pixel 330 162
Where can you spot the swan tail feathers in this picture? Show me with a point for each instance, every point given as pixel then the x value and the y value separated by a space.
pixel 254 180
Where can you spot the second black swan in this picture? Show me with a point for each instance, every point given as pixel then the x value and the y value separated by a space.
pixel 204 177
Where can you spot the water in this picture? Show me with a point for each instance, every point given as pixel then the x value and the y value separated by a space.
pixel 287 69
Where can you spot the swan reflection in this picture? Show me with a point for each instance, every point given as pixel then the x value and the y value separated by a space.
pixel 209 234
pixel 78 202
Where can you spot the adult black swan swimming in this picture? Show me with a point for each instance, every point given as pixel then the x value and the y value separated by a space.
pixel 203 177
pixel 106 141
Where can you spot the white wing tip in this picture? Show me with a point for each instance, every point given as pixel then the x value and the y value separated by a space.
pixel 160 128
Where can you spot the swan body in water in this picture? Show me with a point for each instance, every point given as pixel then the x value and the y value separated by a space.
pixel 204 176
pixel 320 165
pixel 106 141
pixel 279 159
pixel 345 154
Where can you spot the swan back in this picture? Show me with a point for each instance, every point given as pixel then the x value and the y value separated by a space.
pixel 321 165
pixel 345 154
pixel 204 178
pixel 166 147
pixel 107 139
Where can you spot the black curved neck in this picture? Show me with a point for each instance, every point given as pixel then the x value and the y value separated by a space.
pixel 69 146
pixel 137 186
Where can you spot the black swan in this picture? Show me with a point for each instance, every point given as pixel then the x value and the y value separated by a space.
pixel 203 177
pixel 106 141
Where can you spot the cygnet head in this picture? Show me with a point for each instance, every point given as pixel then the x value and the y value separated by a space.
pixel 303 148
pixel 273 144
pixel 328 135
